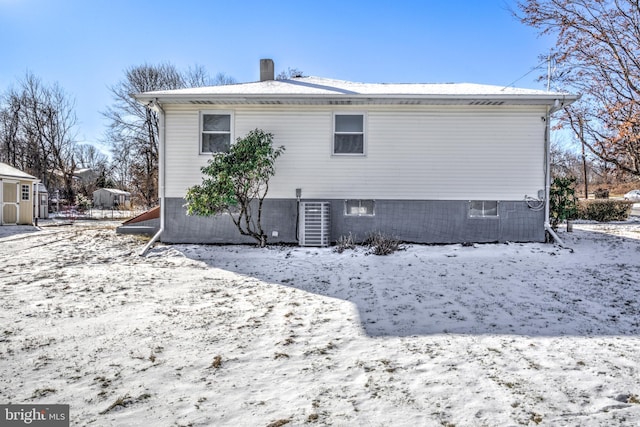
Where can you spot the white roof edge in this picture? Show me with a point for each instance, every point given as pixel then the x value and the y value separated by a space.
pixel 11 172
pixel 550 95
pixel 113 190
pixel 550 98
pixel 319 90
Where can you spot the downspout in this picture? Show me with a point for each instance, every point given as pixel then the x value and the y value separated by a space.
pixel 547 173
pixel 18 202
pixel 36 203
pixel 161 173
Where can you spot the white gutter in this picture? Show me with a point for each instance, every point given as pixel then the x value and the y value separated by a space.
pixel 154 104
pixel 357 98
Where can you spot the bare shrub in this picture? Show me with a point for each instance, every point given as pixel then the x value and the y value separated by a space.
pixel 217 362
pixel 382 244
pixel 601 193
pixel 343 243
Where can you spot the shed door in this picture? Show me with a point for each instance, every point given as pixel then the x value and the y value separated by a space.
pixel 44 205
pixel 9 203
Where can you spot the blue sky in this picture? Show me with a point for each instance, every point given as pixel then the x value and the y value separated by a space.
pixel 85 45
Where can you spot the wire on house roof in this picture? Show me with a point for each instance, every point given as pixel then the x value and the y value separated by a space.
pixel 525 75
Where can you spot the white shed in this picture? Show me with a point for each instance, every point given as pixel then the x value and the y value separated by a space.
pixel 110 198
pixel 41 202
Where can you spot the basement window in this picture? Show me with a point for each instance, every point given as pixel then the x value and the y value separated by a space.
pixel 359 207
pixel 483 209
pixel 348 134
pixel 216 135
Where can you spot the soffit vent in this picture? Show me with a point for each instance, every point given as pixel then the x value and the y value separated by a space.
pixel 486 102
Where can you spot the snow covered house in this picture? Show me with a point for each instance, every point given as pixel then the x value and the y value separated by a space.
pixel 430 163
pixel 16 196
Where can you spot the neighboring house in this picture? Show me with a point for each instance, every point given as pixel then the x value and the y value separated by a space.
pixel 110 198
pixel 85 176
pixel 17 191
pixel 429 163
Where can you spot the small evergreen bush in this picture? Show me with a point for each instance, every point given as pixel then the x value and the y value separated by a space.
pixel 83 202
pixel 563 201
pixel 603 210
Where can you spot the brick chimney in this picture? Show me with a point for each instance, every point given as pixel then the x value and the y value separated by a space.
pixel 266 70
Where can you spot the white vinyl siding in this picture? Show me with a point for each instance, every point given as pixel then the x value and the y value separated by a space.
pixel 413 152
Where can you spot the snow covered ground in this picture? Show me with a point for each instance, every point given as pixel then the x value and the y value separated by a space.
pixel 496 334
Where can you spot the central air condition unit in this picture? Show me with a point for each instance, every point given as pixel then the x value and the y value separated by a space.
pixel 315 223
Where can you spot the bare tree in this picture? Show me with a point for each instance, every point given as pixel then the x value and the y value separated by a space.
pixel 198 76
pixel 122 155
pixel 289 73
pixel 9 128
pixel 597 54
pixel 133 128
pixel 587 170
pixel 37 124
pixel 93 169
pixel 222 79
pixel 88 156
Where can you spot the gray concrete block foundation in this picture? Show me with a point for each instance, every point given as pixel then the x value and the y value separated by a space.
pixel 417 221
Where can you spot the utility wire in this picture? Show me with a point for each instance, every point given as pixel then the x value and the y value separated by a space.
pixel 526 74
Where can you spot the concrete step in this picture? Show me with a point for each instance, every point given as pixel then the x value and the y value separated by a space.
pixel 137 229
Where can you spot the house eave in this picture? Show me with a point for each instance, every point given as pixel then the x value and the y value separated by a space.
pixel 19 178
pixel 477 100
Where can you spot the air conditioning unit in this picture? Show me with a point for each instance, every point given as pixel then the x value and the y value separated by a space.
pixel 315 223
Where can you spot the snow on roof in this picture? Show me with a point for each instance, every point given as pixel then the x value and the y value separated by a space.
pixel 10 171
pixel 322 87
pixel 113 191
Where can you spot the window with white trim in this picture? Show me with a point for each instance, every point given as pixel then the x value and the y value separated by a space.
pixel 26 191
pixel 216 132
pixel 483 209
pixel 348 134
pixel 359 207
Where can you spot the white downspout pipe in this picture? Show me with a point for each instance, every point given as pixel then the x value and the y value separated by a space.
pixel 547 184
pixel 36 202
pixel 161 173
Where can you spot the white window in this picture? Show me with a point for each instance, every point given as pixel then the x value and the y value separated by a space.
pixel 26 190
pixel 348 134
pixel 359 207
pixel 216 132
pixel 483 209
